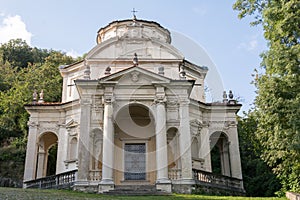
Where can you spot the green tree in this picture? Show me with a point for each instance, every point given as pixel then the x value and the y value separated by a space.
pixel 278 86
pixel 259 180
pixel 46 76
pixel 19 54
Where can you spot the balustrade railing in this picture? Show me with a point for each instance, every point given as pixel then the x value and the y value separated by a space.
pixel 213 180
pixel 174 174
pixel 63 180
pixel 95 175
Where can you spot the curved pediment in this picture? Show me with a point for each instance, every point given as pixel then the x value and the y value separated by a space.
pixel 124 48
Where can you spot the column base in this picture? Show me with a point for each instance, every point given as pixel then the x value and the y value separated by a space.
pixel 164 185
pixel 84 186
pixel 105 186
pixel 184 186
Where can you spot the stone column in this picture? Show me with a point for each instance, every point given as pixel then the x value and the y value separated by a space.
pixel 205 147
pixel 31 153
pixel 62 149
pixel 162 181
pixel 83 143
pixel 41 163
pixel 185 146
pixel 107 182
pixel 234 153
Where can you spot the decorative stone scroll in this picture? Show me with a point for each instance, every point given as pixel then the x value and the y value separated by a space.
pixel 135 76
pixel 196 127
pixel 160 96
pixel 32 124
pixel 48 127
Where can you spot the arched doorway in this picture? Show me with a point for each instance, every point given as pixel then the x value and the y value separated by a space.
pixel 47 155
pixel 220 160
pixel 135 144
pixel 51 160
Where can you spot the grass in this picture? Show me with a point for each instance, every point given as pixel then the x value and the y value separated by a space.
pixel 36 194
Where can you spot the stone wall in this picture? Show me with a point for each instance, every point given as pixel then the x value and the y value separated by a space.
pixel 292 196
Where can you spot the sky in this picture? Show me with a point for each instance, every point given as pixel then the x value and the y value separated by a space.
pixel 207 32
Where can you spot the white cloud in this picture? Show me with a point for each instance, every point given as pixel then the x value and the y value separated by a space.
pixel 73 53
pixel 12 27
pixel 251 44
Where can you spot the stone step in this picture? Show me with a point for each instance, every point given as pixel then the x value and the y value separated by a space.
pixel 136 190
pixel 135 187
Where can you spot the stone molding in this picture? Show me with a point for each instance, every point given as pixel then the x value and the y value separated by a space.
pixel 48 126
pixel 32 124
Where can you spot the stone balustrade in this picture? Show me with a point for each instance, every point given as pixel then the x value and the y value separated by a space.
pixel 217 181
pixel 174 174
pixel 292 195
pixel 95 175
pixel 58 181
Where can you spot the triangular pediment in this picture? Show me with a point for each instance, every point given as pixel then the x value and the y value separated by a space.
pixel 135 76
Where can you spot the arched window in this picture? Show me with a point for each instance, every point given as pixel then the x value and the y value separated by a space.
pixel 195 148
pixel 96 156
pixel 173 148
pixel 73 148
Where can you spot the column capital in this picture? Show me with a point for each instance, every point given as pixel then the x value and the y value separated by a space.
pixel 160 99
pixel 160 96
pixel 86 101
pixel 184 102
pixel 108 99
pixel 32 124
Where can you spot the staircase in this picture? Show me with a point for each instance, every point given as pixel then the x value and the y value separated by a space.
pixel 136 190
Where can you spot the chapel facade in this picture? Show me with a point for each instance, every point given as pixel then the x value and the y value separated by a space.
pixel 133 112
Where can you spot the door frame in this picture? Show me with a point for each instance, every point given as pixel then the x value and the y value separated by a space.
pixel 135 141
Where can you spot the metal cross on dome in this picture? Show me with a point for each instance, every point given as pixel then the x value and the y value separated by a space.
pixel 134 11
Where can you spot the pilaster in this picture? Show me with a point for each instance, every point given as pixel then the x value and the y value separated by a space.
pixel 83 142
pixel 31 152
pixel 234 153
pixel 185 143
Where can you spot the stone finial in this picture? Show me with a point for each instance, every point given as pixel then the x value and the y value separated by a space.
pixel 34 96
pixel 161 70
pixel 225 100
pixel 41 100
pixel 87 73
pixel 135 60
pixel 230 95
pixel 182 73
pixel 107 70
pixel 231 100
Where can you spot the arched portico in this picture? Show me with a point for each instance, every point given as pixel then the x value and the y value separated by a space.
pixel 220 158
pixel 134 144
pixel 47 141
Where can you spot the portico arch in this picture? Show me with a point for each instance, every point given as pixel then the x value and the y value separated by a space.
pixel 134 128
pixel 47 154
pixel 136 120
pixel 220 158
